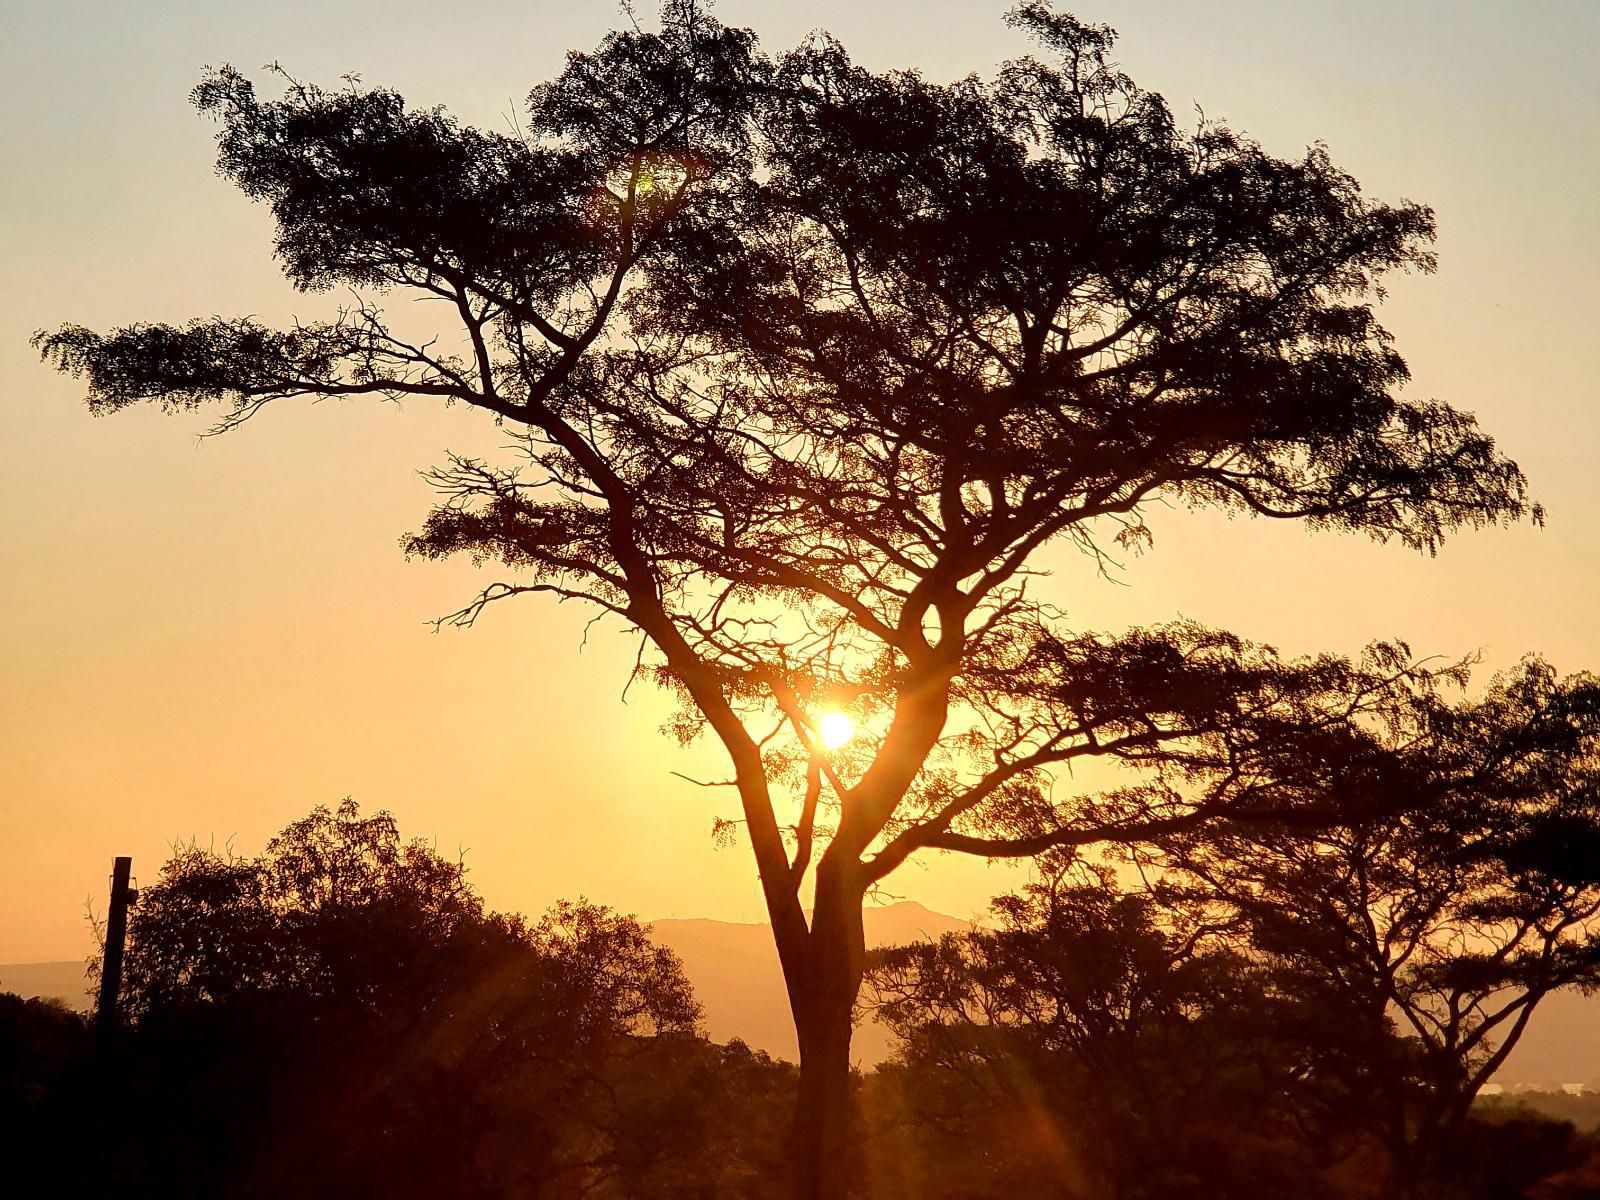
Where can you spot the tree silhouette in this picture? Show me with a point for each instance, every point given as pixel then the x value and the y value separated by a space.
pixel 808 363
pixel 342 1017
pixel 1446 916
pixel 43 1048
pixel 1089 1044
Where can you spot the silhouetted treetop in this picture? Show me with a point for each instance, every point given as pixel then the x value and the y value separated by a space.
pixel 1156 1053
pixel 341 916
pixel 1450 913
pixel 342 1017
pixel 1042 281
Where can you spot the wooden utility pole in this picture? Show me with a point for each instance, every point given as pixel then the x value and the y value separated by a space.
pixel 116 934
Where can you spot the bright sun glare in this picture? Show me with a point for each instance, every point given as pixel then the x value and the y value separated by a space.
pixel 836 729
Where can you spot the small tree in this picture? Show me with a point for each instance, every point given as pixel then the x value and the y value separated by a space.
pixel 1447 917
pixel 809 363
pixel 341 1015
pixel 1090 1044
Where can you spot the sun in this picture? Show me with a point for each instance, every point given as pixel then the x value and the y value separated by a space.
pixel 836 729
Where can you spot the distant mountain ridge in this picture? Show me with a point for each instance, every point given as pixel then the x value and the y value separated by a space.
pixel 64 981
pixel 734 969
pixel 736 977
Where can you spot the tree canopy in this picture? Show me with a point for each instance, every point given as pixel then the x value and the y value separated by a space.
pixel 1086 1043
pixel 809 361
pixel 1445 917
pixel 342 1016
pixel 1280 1001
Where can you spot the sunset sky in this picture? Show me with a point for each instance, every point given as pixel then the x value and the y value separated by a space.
pixel 205 637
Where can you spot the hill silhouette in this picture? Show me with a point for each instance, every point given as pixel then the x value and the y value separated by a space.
pixel 734 970
pixel 64 981
pixel 732 965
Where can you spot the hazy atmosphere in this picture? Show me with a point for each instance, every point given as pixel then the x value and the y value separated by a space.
pixel 207 636
pixel 907 601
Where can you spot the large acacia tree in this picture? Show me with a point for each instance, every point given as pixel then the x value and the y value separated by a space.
pixel 808 364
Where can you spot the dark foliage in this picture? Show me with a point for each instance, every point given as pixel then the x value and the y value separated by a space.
pixel 832 377
pixel 1284 1008
pixel 1446 916
pixel 43 1050
pixel 342 1018
pixel 1084 1048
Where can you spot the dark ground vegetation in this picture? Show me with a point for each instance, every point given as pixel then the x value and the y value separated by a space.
pixel 341 1017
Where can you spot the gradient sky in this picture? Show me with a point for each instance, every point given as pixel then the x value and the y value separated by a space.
pixel 204 638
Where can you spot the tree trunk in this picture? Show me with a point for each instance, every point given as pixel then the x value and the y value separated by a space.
pixel 822 1152
pixel 1441 1128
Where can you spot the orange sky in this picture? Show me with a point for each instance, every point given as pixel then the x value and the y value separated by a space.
pixel 205 638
